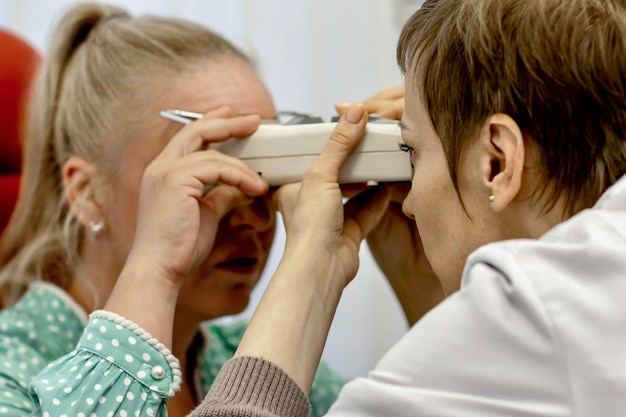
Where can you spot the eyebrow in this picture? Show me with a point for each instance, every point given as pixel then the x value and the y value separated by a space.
pixel 403 126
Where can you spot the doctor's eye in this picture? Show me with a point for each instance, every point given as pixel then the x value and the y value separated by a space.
pixel 406 148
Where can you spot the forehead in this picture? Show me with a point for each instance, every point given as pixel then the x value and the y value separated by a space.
pixel 219 82
pixel 414 113
pixel 212 84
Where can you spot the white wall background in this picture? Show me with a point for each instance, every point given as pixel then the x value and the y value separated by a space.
pixel 312 54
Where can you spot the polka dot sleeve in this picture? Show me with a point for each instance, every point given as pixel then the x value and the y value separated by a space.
pixel 117 369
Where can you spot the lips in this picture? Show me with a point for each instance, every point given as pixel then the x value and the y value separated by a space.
pixel 241 264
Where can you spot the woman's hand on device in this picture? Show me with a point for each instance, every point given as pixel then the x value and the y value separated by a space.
pixel 185 192
pixel 188 188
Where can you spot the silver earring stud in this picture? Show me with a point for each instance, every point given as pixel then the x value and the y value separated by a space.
pixel 492 198
pixel 96 227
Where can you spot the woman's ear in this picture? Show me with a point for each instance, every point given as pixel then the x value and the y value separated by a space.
pixel 79 178
pixel 505 166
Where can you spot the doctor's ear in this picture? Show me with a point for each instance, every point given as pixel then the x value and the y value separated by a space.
pixel 504 161
pixel 79 184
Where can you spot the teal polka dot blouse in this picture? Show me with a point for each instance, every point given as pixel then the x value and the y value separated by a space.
pixel 57 362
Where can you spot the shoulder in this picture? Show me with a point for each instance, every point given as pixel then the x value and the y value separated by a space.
pixel 44 314
pixel 38 329
pixel 558 280
pixel 587 251
pixel 488 349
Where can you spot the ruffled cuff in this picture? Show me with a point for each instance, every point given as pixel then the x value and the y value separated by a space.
pixel 117 367
pixel 153 365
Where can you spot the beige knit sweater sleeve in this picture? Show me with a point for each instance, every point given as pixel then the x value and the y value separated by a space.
pixel 253 387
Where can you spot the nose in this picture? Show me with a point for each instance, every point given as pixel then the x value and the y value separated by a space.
pixel 256 215
pixel 407 207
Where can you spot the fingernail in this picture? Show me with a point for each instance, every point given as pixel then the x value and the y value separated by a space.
pixel 342 105
pixel 355 113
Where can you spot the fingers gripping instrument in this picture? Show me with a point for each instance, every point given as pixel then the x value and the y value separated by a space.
pixel 282 153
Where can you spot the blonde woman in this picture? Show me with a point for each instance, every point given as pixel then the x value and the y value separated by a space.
pixel 95 131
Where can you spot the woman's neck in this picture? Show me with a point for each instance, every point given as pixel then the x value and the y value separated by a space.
pixel 88 291
pixel 187 342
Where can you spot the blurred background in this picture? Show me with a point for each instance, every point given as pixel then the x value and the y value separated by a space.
pixel 312 54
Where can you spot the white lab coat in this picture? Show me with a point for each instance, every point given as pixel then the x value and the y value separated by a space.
pixel 538 328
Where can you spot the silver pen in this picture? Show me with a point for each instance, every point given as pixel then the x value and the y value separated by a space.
pixel 186 117
pixel 180 116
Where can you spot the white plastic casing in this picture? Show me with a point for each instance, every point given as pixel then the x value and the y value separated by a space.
pixel 282 153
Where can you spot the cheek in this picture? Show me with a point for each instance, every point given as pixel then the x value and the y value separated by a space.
pixel 423 206
pixel 431 202
pixel 267 237
pixel 423 193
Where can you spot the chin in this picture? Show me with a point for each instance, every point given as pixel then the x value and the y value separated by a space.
pixel 235 302
pixel 215 293
pixel 226 302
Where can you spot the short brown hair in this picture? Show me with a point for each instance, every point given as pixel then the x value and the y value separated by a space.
pixel 558 68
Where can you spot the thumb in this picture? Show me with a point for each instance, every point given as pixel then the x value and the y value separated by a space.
pixel 346 136
pixel 366 210
pixel 285 200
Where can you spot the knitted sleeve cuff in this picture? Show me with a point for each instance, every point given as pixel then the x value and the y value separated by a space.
pixel 249 386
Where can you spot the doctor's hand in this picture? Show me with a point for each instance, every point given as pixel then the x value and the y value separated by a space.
pixel 320 229
pixel 291 322
pixel 396 246
pixel 388 103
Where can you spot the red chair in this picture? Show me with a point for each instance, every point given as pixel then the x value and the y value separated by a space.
pixel 18 64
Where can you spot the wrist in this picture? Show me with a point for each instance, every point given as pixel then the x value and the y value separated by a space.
pixel 291 323
pixel 310 269
pixel 147 297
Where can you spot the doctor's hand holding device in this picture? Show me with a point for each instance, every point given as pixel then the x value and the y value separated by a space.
pixel 282 153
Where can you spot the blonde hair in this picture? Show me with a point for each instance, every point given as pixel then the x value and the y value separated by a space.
pixel 556 67
pixel 101 66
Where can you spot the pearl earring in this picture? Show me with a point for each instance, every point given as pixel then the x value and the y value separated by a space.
pixel 492 198
pixel 96 227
